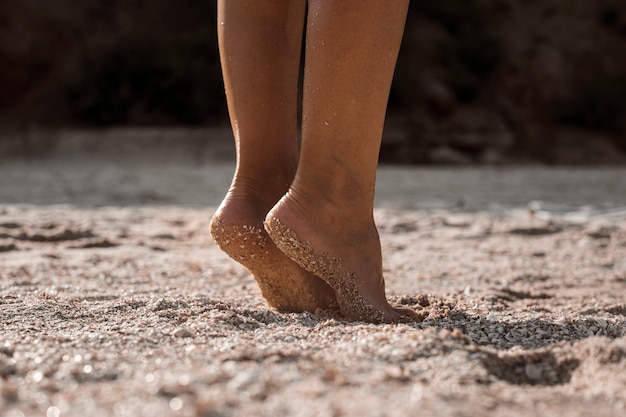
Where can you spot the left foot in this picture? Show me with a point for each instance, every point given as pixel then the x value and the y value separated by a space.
pixel 237 228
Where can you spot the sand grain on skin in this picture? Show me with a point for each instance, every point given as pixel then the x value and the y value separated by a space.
pixel 248 245
pixel 327 267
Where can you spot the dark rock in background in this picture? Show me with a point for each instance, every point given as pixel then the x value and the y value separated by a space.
pixel 478 81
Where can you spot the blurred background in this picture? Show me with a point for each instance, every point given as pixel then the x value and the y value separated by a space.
pixel 478 81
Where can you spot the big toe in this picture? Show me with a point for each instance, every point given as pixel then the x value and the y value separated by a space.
pixel 404 315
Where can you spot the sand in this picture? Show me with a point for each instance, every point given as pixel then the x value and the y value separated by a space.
pixel 114 302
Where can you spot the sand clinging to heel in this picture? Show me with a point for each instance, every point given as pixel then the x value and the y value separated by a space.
pixel 327 267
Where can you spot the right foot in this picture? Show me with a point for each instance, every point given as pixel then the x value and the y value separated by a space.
pixel 237 228
pixel 348 258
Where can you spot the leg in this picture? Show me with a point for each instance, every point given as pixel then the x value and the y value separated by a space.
pixel 260 48
pixel 325 222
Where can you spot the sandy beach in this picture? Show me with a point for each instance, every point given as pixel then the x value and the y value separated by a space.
pixel 114 301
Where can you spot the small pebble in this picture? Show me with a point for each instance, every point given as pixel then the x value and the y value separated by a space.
pixel 181 332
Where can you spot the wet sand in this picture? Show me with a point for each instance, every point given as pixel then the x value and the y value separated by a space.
pixel 114 301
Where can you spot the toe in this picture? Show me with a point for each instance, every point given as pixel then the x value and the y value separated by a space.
pixel 407 315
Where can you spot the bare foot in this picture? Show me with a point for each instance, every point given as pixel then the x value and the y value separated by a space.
pixel 237 228
pixel 349 261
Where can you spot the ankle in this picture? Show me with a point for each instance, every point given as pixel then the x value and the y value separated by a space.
pixel 345 206
pixel 265 176
pixel 302 212
pixel 262 194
